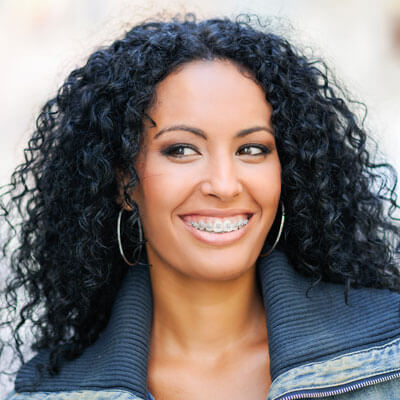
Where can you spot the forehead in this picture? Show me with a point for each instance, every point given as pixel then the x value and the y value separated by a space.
pixel 210 93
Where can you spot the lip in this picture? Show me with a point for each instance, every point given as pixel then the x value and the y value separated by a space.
pixel 219 213
pixel 218 239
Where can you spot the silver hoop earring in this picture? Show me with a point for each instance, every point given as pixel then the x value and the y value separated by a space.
pixel 138 250
pixel 279 232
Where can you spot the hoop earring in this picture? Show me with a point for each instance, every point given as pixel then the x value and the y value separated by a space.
pixel 279 232
pixel 138 250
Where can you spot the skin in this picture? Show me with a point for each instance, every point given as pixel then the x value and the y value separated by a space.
pixel 209 335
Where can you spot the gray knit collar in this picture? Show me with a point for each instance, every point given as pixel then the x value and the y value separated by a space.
pixel 303 326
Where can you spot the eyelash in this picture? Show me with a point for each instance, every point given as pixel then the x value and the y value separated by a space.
pixel 264 149
pixel 171 151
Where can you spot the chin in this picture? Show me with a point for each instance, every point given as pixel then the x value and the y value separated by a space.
pixel 204 262
pixel 219 267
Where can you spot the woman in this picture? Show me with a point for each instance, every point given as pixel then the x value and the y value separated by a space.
pixel 201 218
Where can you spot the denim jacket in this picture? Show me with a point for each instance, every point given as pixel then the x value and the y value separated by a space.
pixel 319 346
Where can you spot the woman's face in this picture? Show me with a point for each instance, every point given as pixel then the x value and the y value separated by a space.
pixel 209 172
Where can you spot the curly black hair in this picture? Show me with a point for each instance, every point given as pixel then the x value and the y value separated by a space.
pixel 62 204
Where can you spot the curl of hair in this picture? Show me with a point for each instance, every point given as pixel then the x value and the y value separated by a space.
pixel 340 205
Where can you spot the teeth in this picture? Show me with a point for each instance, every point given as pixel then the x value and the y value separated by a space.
pixel 228 226
pixel 219 226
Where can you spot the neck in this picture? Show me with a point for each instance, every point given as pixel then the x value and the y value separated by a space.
pixel 198 318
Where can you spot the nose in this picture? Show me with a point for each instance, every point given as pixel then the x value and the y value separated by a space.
pixel 222 179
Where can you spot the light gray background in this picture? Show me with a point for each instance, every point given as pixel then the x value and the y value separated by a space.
pixel 42 40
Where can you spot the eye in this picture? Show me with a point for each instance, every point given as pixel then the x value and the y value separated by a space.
pixel 253 150
pixel 180 150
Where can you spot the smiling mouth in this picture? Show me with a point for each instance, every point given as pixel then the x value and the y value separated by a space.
pixel 220 226
pixel 216 230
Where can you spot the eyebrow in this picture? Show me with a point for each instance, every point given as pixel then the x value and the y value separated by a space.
pixel 199 132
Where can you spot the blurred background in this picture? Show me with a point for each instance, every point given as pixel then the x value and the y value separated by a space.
pixel 41 41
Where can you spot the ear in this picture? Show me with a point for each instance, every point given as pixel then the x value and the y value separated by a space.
pixel 122 180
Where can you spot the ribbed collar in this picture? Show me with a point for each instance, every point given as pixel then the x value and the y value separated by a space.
pixel 306 325
pixel 301 329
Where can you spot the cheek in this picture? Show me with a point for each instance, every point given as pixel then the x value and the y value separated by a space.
pixel 163 187
pixel 265 184
pixel 155 194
